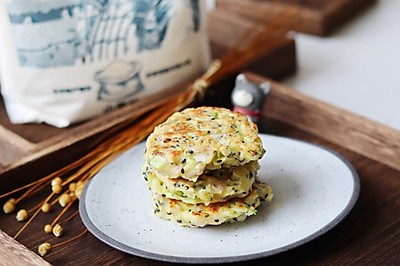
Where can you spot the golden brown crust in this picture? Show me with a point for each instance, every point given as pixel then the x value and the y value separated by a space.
pixel 211 187
pixel 198 139
pixel 200 215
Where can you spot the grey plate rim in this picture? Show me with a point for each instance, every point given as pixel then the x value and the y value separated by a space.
pixel 208 260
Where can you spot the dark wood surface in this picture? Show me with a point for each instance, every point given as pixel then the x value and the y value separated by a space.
pixel 369 235
pixel 318 17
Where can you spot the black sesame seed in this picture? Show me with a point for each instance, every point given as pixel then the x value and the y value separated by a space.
pixel 169 213
pixel 179 221
pixel 190 151
pixel 184 161
pixel 216 220
pixel 182 171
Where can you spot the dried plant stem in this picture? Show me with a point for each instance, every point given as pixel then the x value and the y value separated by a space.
pixel 38 187
pixel 70 217
pixel 33 216
pixel 62 212
pixel 24 187
pixel 27 223
pixel 37 206
pixel 111 148
pixel 72 239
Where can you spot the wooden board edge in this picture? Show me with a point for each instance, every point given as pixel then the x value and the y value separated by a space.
pixel 14 253
pixel 356 133
pixel 10 141
pixel 311 21
pixel 322 22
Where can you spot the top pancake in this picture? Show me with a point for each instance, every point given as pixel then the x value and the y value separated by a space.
pixel 199 139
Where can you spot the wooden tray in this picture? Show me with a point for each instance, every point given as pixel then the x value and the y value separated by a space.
pixel 39 149
pixel 318 17
pixel 369 235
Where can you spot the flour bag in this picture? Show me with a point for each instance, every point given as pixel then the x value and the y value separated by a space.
pixel 65 61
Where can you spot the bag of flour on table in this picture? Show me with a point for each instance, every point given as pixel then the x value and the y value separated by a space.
pixel 64 61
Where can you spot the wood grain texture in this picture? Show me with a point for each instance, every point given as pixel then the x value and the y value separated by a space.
pixel 13 253
pixel 359 134
pixel 318 17
pixel 16 146
pixel 369 235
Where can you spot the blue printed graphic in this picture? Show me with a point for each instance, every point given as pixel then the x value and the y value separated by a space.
pixel 119 80
pixel 54 33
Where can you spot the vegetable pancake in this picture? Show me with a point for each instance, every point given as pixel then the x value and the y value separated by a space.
pixel 199 139
pixel 213 186
pixel 200 215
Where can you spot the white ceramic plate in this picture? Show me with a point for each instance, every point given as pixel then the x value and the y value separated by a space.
pixel 314 189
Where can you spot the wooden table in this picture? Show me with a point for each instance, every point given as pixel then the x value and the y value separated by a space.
pixel 368 235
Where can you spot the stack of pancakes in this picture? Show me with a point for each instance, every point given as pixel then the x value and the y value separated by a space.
pixel 201 167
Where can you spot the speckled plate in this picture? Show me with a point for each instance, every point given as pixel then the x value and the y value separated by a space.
pixel 314 188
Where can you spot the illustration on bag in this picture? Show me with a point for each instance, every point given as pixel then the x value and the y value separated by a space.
pixel 62 33
pixel 119 80
pixel 52 33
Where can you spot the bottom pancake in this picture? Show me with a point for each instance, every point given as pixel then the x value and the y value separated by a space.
pixel 200 215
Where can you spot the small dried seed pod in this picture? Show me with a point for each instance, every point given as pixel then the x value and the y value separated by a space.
pixel 12 200
pixel 79 189
pixel 44 249
pixel 46 207
pixel 22 215
pixel 57 188
pixel 58 230
pixel 9 207
pixel 72 187
pixel 56 180
pixel 48 228
pixel 78 192
pixel 64 200
pixel 72 195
